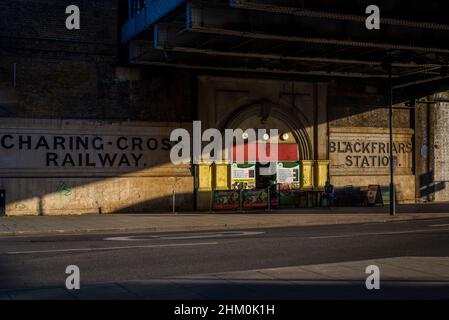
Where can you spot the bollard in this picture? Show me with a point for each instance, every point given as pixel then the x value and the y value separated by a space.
pixel 174 201
pixel 2 202
pixel 269 199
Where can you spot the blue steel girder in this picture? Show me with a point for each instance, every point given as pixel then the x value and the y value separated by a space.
pixel 146 17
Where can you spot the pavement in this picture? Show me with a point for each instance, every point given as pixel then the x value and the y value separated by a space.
pixel 423 278
pixel 76 224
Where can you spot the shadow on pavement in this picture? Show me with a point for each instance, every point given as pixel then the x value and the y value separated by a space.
pixel 239 290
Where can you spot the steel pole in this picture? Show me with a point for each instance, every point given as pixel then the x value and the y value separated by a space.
pixel 390 101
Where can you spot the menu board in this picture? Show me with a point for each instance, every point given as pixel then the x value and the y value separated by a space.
pixel 374 195
pixel 287 172
pixel 243 176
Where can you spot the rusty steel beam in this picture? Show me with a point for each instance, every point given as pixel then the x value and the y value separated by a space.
pixel 337 42
pixel 297 58
pixel 257 70
pixel 334 15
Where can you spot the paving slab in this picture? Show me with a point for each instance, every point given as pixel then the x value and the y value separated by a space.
pixel 397 268
pixel 103 291
pixel 293 273
pixel 343 280
pixel 423 265
pixel 222 289
pixel 41 294
pixel 158 290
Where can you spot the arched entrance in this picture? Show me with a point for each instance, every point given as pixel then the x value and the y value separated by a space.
pixel 293 145
pixel 265 114
pixel 232 185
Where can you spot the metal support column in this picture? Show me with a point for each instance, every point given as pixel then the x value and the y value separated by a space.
pixel 390 101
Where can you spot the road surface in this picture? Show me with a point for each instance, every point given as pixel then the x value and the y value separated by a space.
pixel 33 263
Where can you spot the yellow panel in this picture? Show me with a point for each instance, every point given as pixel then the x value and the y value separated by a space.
pixel 307 174
pixel 321 173
pixel 204 192
pixel 204 177
pixel 222 181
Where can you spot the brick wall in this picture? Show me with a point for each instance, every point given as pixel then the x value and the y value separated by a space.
pixel 64 73
pixel 362 105
pixel 46 19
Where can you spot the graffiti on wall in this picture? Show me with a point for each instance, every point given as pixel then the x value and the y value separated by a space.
pixel 63 189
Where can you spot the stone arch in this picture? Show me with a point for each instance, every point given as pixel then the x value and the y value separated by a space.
pixel 283 111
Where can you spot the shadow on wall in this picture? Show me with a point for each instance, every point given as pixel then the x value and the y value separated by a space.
pixel 73 195
pixel 428 186
pixel 182 202
pixel 123 194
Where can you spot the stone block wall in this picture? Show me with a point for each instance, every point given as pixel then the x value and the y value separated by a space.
pixel 359 139
pixel 50 167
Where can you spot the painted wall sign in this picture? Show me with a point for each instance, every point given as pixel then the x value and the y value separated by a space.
pixel 85 148
pixel 79 150
pixel 367 153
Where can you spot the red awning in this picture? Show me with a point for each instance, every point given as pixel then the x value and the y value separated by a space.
pixel 286 152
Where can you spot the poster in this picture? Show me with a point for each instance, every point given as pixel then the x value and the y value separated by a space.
pixel 288 180
pixel 374 195
pixel 256 198
pixel 226 200
pixel 287 172
pixel 385 191
pixel 243 176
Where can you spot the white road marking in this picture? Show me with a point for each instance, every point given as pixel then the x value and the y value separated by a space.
pixel 378 234
pixel 114 248
pixel 187 236
pixel 439 225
